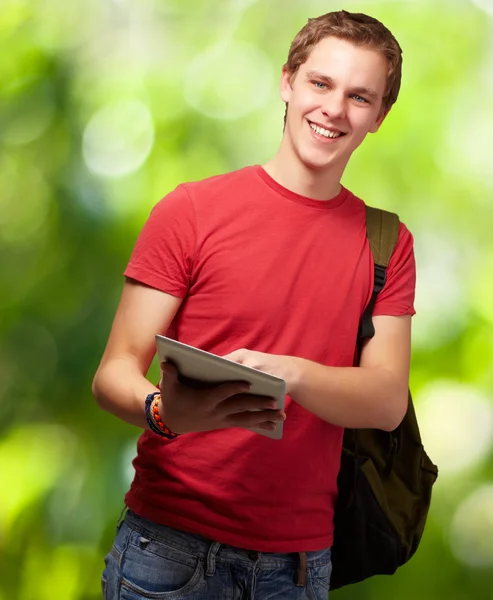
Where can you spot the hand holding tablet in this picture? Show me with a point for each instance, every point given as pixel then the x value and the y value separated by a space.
pixel 223 399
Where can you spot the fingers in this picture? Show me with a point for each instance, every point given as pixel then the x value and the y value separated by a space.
pixel 267 426
pixel 228 389
pixel 169 370
pixel 245 402
pixel 169 377
pixel 256 418
pixel 237 355
pixel 218 393
pixel 225 405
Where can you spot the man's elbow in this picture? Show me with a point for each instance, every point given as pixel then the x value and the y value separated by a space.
pixel 96 390
pixel 398 409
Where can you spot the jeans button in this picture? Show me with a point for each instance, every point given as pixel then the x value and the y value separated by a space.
pixel 253 555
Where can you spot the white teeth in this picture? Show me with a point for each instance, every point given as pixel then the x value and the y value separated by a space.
pixel 324 132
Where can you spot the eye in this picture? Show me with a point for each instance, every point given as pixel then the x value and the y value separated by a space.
pixel 360 99
pixel 319 85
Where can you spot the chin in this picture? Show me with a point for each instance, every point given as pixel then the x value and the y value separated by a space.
pixel 314 163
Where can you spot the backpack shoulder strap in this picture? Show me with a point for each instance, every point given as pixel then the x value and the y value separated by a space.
pixel 382 230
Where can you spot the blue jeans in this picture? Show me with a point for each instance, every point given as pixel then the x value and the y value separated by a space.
pixel 153 561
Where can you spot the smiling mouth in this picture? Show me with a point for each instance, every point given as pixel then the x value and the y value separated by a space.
pixel 328 133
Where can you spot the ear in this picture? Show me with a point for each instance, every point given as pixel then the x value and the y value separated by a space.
pixel 376 125
pixel 285 87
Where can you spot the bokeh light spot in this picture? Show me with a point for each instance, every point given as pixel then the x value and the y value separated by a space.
pixel 440 294
pixel 471 530
pixel 29 116
pixel 29 470
pixel 486 5
pixel 24 203
pixel 229 80
pixel 118 138
pixel 480 286
pixel 456 423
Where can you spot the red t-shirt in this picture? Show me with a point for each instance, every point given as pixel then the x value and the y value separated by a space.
pixel 262 268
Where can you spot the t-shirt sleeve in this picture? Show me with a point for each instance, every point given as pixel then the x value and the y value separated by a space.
pixel 397 296
pixel 164 251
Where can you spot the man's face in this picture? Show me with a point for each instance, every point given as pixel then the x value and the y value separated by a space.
pixel 337 92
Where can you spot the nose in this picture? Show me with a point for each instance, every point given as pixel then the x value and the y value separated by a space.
pixel 333 106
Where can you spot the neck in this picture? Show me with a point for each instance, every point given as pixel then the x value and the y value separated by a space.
pixel 289 171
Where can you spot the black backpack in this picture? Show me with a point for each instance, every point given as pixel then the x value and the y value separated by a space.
pixel 385 479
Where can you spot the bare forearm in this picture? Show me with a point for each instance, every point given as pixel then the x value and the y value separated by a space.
pixel 120 388
pixel 351 396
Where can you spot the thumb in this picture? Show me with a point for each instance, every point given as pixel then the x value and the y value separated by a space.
pixel 168 370
pixel 237 356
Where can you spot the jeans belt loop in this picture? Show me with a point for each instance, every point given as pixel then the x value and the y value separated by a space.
pixel 301 570
pixel 211 559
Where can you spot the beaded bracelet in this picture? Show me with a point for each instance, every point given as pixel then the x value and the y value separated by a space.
pixel 153 417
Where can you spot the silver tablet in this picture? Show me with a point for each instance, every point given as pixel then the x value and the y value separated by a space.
pixel 198 366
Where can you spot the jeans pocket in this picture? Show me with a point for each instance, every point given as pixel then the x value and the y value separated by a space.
pixel 320 581
pixel 153 569
pixel 110 573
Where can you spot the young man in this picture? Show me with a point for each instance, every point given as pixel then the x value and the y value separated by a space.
pixel 270 266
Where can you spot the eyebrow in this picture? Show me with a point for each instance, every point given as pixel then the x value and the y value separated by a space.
pixel 364 91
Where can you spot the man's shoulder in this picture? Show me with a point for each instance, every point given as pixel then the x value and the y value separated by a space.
pixel 217 183
pixel 362 205
pixel 210 194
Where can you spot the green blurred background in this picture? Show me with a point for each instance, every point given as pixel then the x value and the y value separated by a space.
pixel 105 106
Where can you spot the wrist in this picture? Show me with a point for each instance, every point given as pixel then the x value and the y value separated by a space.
pixel 296 376
pixel 161 413
pixel 154 418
